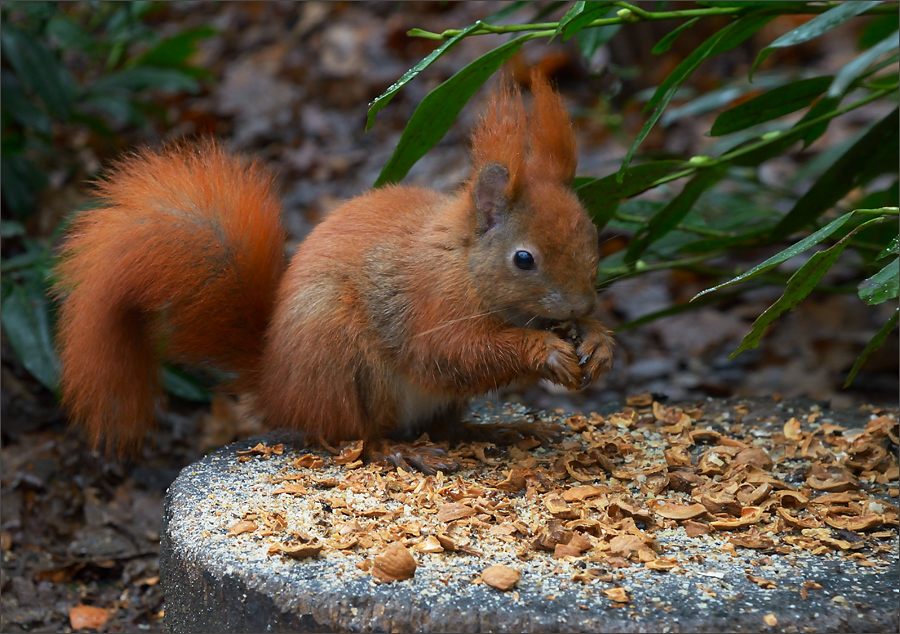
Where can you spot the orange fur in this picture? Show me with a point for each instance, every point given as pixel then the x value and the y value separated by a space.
pixel 180 261
pixel 552 152
pixel 400 305
pixel 501 135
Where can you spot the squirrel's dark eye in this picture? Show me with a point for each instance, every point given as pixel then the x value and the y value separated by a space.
pixel 523 260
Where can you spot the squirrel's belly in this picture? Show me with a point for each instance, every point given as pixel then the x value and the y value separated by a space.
pixel 416 407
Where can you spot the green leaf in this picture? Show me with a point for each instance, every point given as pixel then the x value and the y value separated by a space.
pixel 22 180
pixel 878 29
pixel 589 40
pixel 723 40
pixel 601 196
pixel 726 39
pixel 770 105
pixel 174 51
pixel 820 24
pixel 783 256
pixel 645 130
pixel 26 322
pixel 11 229
pixel 891 249
pixel 39 70
pixel 184 386
pixel 859 65
pixel 798 287
pixel 580 15
pixel 715 99
pixel 882 286
pixel 142 77
pixel 69 35
pixel 873 345
pixel 666 42
pixel 673 212
pixel 384 98
pixel 822 107
pixel 22 109
pixel 437 111
pixel 876 152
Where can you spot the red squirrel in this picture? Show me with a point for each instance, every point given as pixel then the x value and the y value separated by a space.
pixel 398 307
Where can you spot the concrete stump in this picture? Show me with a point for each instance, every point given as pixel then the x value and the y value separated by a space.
pixel 272 540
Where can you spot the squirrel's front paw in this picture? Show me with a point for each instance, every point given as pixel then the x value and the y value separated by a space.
pixel 561 363
pixel 594 349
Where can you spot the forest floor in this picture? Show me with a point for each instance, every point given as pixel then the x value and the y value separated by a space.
pixel 293 81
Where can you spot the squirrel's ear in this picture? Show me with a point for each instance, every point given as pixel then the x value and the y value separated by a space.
pixel 490 195
pixel 552 152
pixel 500 139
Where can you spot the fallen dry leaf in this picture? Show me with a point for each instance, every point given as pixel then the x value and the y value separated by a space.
pixel 770 619
pixel 87 616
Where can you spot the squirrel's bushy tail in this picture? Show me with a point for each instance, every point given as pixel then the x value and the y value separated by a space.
pixel 181 261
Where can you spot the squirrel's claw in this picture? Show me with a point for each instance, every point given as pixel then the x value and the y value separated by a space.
pixel 561 365
pixel 595 349
pixel 427 459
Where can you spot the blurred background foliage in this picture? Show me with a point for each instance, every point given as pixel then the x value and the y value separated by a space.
pixel 102 70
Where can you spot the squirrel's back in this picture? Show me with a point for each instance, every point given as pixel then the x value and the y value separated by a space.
pixel 180 261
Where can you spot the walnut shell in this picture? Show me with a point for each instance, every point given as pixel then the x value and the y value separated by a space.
pixel 501 577
pixel 394 564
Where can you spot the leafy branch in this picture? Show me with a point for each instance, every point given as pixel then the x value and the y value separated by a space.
pixel 629 14
pixel 703 220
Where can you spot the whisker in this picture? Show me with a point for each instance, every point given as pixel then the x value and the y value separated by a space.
pixel 450 322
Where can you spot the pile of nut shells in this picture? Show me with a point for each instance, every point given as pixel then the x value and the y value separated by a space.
pixel 793 484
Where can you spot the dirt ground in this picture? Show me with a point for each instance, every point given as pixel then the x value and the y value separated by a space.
pixel 293 81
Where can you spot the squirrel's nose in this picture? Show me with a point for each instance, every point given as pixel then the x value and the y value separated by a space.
pixel 584 304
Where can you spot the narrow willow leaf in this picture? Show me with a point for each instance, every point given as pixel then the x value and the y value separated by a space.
pixel 878 29
pixel 859 65
pixel 715 99
pixel 770 105
pixel 667 218
pixel 601 196
pixel 589 40
pixel 882 286
pixel 814 28
pixel 26 322
pixel 876 152
pixel 724 40
pixel 382 100
pixel 576 10
pixel 783 256
pixel 437 111
pixel 891 249
pixel 823 106
pixel 580 15
pixel 666 42
pixel 798 287
pixel 873 345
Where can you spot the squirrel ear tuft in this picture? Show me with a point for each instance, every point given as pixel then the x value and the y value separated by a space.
pixel 552 152
pixel 491 184
pixel 501 136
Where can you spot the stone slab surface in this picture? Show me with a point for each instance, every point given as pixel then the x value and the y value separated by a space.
pixel 216 583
